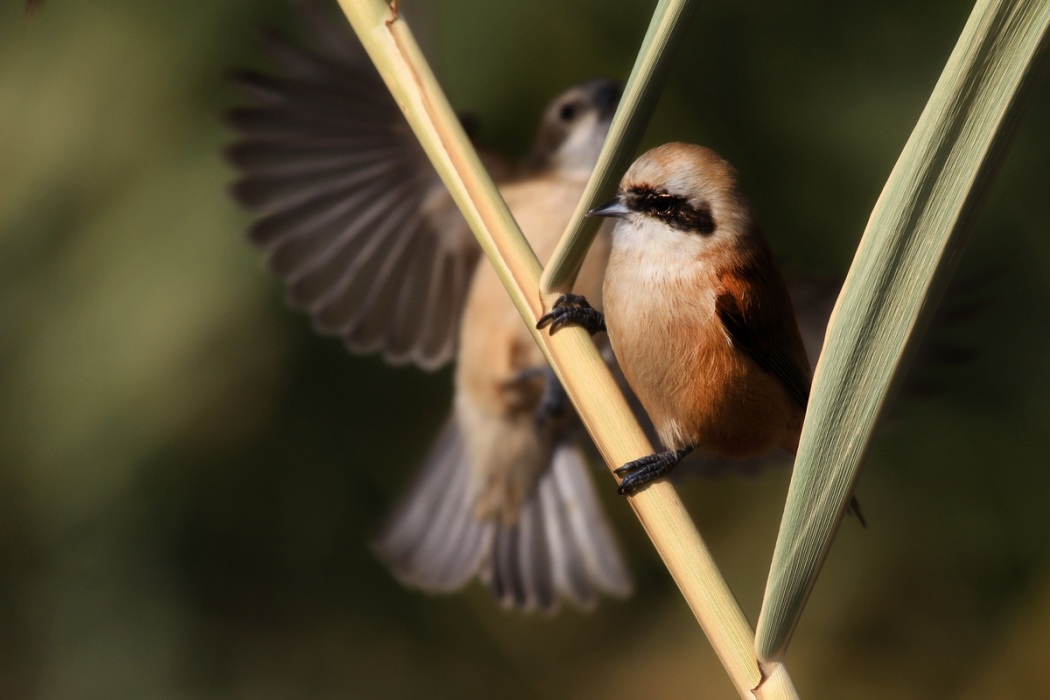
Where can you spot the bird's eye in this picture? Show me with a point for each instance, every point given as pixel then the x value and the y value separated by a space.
pixel 568 111
pixel 663 204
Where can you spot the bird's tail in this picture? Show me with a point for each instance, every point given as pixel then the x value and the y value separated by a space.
pixel 560 547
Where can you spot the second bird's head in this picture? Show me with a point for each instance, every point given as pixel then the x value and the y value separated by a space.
pixel 574 126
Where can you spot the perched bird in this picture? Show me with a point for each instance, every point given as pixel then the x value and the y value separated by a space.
pixel 369 243
pixel 697 314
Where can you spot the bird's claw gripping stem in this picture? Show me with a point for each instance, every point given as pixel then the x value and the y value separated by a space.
pixel 640 472
pixel 572 310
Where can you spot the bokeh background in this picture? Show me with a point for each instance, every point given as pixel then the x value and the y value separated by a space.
pixel 188 477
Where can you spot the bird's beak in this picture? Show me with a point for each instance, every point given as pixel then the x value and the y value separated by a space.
pixel 614 209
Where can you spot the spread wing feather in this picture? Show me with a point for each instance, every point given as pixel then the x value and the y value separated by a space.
pixel 353 218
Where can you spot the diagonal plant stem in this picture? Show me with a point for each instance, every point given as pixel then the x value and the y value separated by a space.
pixel 571 352
pixel 912 240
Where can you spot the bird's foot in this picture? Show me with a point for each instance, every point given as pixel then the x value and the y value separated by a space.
pixel 572 310
pixel 553 401
pixel 634 475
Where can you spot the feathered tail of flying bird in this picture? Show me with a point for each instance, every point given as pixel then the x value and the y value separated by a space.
pixel 557 546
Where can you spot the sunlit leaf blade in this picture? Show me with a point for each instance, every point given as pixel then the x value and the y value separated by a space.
pixel 913 238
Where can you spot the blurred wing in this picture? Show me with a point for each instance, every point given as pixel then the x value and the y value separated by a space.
pixel 353 217
pixel 945 350
pixel 813 298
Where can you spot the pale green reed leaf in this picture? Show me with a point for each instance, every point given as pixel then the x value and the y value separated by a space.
pixel 912 240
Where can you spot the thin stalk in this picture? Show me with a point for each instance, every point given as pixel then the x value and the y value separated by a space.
pixel 636 107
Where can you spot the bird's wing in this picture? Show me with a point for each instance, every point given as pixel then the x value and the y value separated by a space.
pixel 353 217
pixel 768 335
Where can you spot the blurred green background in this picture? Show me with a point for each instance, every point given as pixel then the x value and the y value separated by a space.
pixel 188 477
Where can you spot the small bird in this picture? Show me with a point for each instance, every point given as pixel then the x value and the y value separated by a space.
pixel 369 243
pixel 697 314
